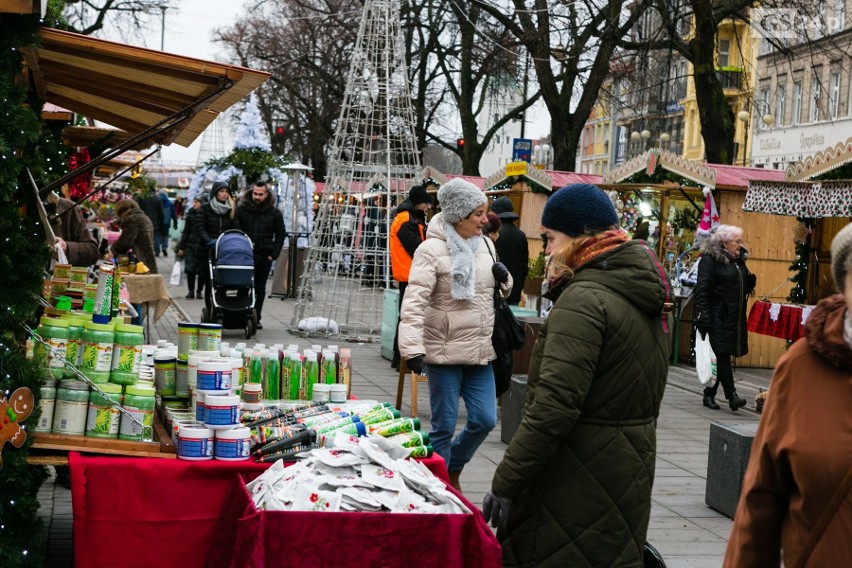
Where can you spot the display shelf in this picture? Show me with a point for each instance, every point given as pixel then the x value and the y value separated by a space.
pixel 163 447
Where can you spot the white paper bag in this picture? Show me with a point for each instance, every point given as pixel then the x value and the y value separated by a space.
pixel 177 273
pixel 704 358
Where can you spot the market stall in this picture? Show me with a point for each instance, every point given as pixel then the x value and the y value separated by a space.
pixel 670 187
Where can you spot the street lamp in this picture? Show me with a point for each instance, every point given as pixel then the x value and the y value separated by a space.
pixel 542 154
pixel 744 117
pixel 634 136
pixel 645 134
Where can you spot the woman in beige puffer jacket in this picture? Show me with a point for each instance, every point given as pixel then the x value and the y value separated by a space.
pixel 447 320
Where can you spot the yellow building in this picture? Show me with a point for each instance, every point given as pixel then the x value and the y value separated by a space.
pixel 595 141
pixel 735 61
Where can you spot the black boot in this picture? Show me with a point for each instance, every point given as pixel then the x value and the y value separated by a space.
pixel 735 402
pixel 710 398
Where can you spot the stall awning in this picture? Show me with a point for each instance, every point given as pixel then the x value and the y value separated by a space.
pixel 800 199
pixel 133 88
pixel 85 136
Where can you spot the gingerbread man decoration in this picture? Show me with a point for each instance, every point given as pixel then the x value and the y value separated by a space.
pixel 13 411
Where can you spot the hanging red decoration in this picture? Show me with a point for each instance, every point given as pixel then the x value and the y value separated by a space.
pixel 80 185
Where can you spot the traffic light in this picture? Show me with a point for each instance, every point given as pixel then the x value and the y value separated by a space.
pixel 460 144
pixel 279 135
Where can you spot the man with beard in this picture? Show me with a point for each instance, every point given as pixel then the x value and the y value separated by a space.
pixel 258 217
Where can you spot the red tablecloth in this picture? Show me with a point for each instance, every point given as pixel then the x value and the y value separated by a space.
pixel 787 325
pixel 154 512
pixel 248 537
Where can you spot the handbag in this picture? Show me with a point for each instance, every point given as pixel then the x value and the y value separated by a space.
pixel 177 273
pixel 704 358
pixel 507 336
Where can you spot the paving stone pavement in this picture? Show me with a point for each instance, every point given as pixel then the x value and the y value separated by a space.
pixel 687 532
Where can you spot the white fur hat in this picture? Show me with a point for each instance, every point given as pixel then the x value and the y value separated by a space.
pixel 841 256
pixel 458 199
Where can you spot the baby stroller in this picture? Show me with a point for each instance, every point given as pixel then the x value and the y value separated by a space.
pixel 231 302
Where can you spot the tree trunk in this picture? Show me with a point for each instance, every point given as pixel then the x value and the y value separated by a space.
pixel 714 110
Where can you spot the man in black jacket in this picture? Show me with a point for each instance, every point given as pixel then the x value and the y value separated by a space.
pixel 258 217
pixel 512 247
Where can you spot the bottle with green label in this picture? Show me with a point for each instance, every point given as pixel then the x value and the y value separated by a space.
pixel 54 332
pixel 139 401
pixel 272 377
pixel 310 372
pixel 103 417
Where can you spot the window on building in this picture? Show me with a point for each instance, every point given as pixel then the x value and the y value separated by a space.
pixel 724 52
pixel 819 20
pixel 833 95
pixel 796 118
pixel 780 103
pixel 764 107
pixel 693 135
pixel 839 15
pixel 816 97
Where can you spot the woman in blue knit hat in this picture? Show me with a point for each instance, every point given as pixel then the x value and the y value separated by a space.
pixel 574 486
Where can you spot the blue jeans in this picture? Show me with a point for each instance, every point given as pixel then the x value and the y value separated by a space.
pixel 161 240
pixel 475 384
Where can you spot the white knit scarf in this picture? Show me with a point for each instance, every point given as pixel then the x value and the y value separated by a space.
pixel 220 208
pixel 847 328
pixel 463 267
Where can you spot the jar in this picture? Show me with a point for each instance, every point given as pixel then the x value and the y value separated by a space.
pixel 164 374
pixel 102 419
pixel 181 378
pixel 139 403
pixel 72 405
pixel 47 405
pixel 97 342
pixel 187 339
pixel 233 444
pixel 74 351
pixel 210 336
pixel 221 411
pixel 54 332
pixel 127 353
pixel 195 443
pixel 122 378
pixel 251 393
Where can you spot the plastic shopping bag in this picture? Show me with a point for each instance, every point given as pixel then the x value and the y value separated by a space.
pixel 705 359
pixel 177 273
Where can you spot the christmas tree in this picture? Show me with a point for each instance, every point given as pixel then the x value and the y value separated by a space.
pixel 25 144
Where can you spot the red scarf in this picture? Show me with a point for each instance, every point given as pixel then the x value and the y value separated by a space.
pixel 598 245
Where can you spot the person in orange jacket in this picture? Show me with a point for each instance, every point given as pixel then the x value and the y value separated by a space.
pixel 407 231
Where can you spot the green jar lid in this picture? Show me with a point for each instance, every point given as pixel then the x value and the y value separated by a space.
pixel 99 326
pixel 128 328
pixel 139 389
pixel 110 388
pixel 73 385
pixel 123 377
pixel 54 322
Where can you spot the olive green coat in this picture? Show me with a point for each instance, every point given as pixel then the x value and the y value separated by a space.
pixel 580 468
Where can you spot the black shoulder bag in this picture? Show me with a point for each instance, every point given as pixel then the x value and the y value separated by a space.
pixel 508 335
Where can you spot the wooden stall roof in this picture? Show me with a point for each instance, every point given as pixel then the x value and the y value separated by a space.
pixel 738 177
pixel 133 88
pixel 23 6
pixel 822 162
pixel 561 179
pixel 85 136
pixel 694 171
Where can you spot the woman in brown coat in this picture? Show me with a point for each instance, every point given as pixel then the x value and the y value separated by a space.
pixel 137 233
pixel 803 448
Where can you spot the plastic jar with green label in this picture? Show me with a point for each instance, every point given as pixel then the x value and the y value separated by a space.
pixel 209 336
pixel 187 339
pixel 72 405
pixel 164 374
pixel 127 353
pixel 97 343
pixel 139 402
pixel 47 405
pixel 74 351
pixel 54 332
pixel 103 418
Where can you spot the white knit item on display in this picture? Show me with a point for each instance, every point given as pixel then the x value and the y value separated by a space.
pixel 372 165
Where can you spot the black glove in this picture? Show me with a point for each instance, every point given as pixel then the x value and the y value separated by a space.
pixel 496 510
pixel 703 330
pixel 415 364
pixel 500 272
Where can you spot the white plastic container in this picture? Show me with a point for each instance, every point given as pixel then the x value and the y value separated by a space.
pixel 195 443
pixel 337 392
pixel 233 444
pixel 321 392
pixel 221 411
pixel 214 375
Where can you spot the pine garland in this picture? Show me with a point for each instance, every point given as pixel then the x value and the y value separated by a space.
pixel 24 144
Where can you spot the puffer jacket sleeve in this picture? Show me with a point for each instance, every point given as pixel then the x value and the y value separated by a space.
pixel 572 343
pixel 703 288
pixel 505 287
pixel 421 283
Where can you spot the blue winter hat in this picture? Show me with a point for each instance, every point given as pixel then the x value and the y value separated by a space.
pixel 579 209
